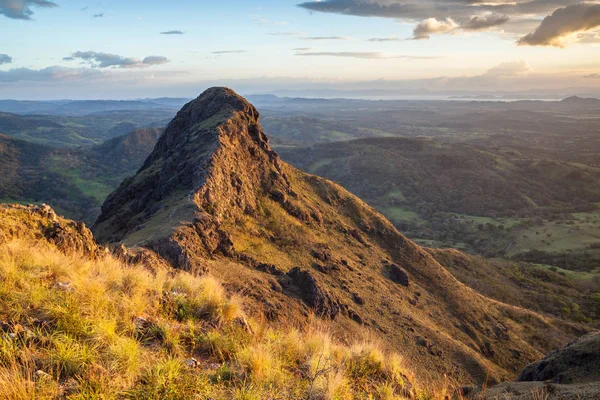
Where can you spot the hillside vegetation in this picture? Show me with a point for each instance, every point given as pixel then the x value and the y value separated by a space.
pixel 486 201
pixel 74 181
pixel 84 130
pixel 87 324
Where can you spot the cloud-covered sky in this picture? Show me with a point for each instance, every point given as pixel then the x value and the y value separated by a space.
pixel 113 48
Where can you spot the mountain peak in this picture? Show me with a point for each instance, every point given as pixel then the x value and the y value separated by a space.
pixel 217 100
pixel 214 150
pixel 213 197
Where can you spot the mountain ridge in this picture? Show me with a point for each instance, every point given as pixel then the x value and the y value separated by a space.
pixel 213 197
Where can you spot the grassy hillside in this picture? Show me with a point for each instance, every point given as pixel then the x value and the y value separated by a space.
pixel 544 289
pixel 25 178
pixel 83 325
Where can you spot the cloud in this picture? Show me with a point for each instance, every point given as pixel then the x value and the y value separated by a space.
pixel 326 38
pixel 558 27
pixel 365 55
pixel 106 60
pixel 512 68
pixel 592 76
pixel 228 52
pixel 154 60
pixel 98 15
pixel 21 9
pixel 54 73
pixel 479 23
pixel 284 33
pixel 263 21
pixel 471 15
pixel 439 9
pixel 172 33
pixel 5 59
pixel 588 37
pixel 432 26
pixel 387 39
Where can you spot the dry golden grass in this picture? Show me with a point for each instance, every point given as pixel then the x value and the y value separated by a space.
pixel 82 328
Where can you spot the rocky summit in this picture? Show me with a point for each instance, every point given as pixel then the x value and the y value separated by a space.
pixel 214 197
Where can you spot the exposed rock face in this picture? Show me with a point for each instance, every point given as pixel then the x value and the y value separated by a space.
pixel 214 197
pixel 41 222
pixel 570 373
pixel 578 362
pixel 399 275
pixel 313 293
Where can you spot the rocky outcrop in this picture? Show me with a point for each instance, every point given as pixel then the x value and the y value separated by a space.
pixel 313 293
pixel 42 222
pixel 570 373
pixel 577 362
pixel 399 275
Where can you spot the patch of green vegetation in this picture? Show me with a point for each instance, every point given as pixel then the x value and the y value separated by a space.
pixel 399 214
pixel 318 165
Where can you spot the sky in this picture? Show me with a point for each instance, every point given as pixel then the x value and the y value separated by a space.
pixel 153 48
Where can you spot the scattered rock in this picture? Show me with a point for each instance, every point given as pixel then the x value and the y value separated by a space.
pixel 358 299
pixel 322 254
pixel 45 211
pixel 39 374
pixel 355 316
pixel 487 350
pixel 65 287
pixel 192 363
pixel 313 293
pixel 398 275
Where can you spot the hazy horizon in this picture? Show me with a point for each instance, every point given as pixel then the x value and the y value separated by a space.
pixel 86 50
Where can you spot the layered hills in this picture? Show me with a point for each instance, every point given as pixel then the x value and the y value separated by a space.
pixel 437 176
pixel 75 181
pixel 213 197
pixel 485 199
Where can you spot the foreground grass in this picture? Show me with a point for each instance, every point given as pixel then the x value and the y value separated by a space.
pixel 80 329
